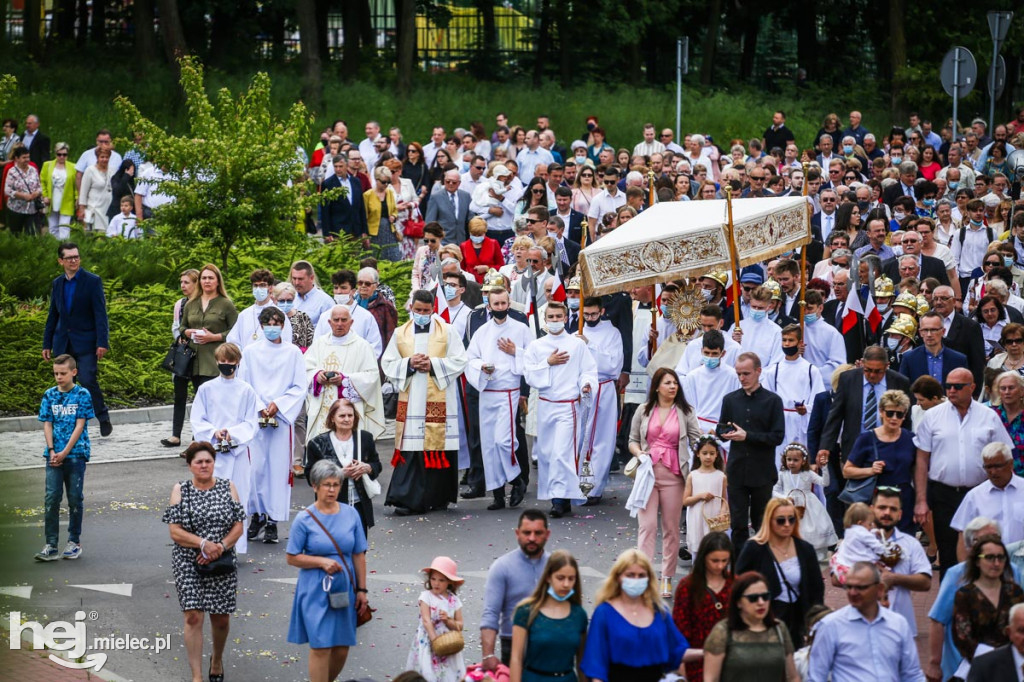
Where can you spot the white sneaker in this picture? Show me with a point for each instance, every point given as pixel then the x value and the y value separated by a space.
pixel 72 550
pixel 48 553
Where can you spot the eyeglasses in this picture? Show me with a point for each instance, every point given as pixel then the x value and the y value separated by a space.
pixel 72 258
pixel 537 191
pixel 749 289
pixel 894 414
pixel 930 330
pixel 889 488
pixel 431 241
pixel 62 153
pixel 366 284
pixel 992 264
pixel 758 597
pixel 611 182
pixel 532 261
pixel 785 520
pixel 849 587
pixel 827 200
pixel 586 175
pixel 533 221
pixel 995 558
pixel 942 299
pixel 954 386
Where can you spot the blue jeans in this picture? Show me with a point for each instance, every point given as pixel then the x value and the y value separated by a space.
pixel 70 476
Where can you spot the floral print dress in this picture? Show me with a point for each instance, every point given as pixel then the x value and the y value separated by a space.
pixel 421 656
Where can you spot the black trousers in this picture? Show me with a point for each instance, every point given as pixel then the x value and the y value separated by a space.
pixel 625 421
pixel 944 500
pixel 746 506
pixel 181 397
pixel 833 505
pixel 475 476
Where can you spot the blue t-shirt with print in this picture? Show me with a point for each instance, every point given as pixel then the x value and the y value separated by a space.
pixel 64 409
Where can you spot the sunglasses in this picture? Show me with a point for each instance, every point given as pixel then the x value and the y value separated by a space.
pixel 858 588
pixel 586 175
pixel 756 177
pixel 953 386
pixel 992 263
pixel 785 520
pixel 894 414
pixel 611 182
pixel 1000 558
pixel 533 221
pixel 62 153
pixel 532 261
pixel 1010 342
pixel 758 597
pixel 537 191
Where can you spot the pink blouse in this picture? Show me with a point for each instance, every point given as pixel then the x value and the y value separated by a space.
pixel 663 440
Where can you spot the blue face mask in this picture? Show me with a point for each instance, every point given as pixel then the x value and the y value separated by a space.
pixel 272 333
pixel 953 184
pixel 285 306
pixel 892 343
pixel 573 303
pixel 420 320
pixel 554 595
pixel 487 300
pixel 260 294
pixel 449 292
pixel 974 222
pixel 928 203
pixel 478 240
pixel 634 587
pixel 662 308
pixel 711 363
pixel 758 315
pixel 1007 261
pixel 811 318
pixel 847 149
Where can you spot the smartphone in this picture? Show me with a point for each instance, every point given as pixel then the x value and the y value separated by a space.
pixel 722 429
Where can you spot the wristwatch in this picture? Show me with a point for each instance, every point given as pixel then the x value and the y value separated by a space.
pixel 363 590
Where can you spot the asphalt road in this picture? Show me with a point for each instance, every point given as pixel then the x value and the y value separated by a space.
pixel 126 551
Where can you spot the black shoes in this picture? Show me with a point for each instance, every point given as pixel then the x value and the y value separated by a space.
pixel 270 534
pixel 403 511
pixel 518 494
pixel 106 428
pixel 560 508
pixel 592 501
pixel 499 503
pixel 684 554
pixel 473 494
pixel 256 524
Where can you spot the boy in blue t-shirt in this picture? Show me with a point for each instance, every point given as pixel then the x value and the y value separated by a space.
pixel 65 412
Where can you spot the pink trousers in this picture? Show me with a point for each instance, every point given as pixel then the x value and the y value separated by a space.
pixel 666 497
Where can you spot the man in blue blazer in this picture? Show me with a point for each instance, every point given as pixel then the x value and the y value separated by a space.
pixel 77 325
pixel 344 215
pixel 449 206
pixel 933 358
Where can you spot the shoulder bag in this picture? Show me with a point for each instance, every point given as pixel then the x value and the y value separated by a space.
pixel 370 486
pixel 179 358
pixel 412 227
pixel 364 615
pixel 226 563
pixel 861 490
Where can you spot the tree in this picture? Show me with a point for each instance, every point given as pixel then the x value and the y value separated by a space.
pixel 235 173
pixel 8 84
pixel 312 84
pixel 145 34
pixel 172 32
pixel 405 27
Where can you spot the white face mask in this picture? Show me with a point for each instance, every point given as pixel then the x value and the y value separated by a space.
pixel 554 327
pixel 343 299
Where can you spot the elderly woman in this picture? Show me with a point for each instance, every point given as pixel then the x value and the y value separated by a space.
pixel 888 452
pixel 701 597
pixel 751 643
pixel 991 316
pixel 22 189
pixel 328 545
pixel 981 608
pixel 354 451
pixel 382 215
pixel 9 137
pixel 480 253
pixel 632 637
pixel 789 564
pixel 205 519
pixel 189 281
pixel 665 429
pixel 426 264
pixel 1011 359
pixel 58 180
pixel 96 194
pixel 1010 387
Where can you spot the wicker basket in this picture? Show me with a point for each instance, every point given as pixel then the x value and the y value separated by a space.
pixel 801 504
pixel 448 643
pixel 719 522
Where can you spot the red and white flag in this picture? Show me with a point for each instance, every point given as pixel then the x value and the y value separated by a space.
pixel 557 288
pixel 853 308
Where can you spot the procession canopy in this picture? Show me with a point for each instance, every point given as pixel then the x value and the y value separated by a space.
pixel 678 239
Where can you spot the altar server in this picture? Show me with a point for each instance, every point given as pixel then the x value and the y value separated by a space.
pixel 758 334
pixel 824 346
pixel 705 386
pixel 796 381
pixel 247 328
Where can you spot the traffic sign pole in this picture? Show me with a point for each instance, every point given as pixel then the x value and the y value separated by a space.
pixel 997 18
pixel 956 92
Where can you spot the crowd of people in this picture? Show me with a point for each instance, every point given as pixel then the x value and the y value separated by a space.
pixel 867 415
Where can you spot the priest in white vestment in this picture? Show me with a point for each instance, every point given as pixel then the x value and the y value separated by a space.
pixel 824 346
pixel 605 345
pixel 495 369
pixel 424 360
pixel 342 365
pixel 277 372
pixel 364 325
pixel 226 409
pixel 563 371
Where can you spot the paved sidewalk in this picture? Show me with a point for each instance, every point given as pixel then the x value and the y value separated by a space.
pixel 26 665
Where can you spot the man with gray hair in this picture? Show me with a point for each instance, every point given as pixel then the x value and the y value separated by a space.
pixel 864 640
pixel 1003 663
pixel 905 187
pixel 943 656
pixel 825 146
pixel 1001 497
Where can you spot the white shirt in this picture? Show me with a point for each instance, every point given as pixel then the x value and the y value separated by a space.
pixel 605 203
pixel 430 151
pixel 955 445
pixel 647 148
pixel 468 183
pixel 529 159
pixel 1005 505
pixel 88 158
pixel 828 223
pixel 972 252
pixel 368 152
pixel 849 648
pixel 314 304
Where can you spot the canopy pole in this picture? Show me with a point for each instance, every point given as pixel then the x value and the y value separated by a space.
pixel 584 227
pixel 734 258
pixel 651 196
pixel 803 256
pixel 652 342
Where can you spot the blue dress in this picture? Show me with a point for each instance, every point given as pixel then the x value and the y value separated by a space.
pixel 899 457
pixel 313 620
pixel 618 651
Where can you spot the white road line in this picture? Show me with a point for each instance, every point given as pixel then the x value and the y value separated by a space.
pixel 121 589
pixel 20 591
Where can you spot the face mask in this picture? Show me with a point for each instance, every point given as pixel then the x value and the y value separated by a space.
pixel 898 216
pixel 343 299
pixel 882 307
pixel 553 234
pixel 976 223
pixel 863 206
pixel 285 306
pixel 449 292
pixel 662 308
pixel 226 368
pixel 836 269
pixel 591 323
pixel 634 587
pixel 573 303
pixel 706 293
pixel 790 351
pixel 554 595
pixel 1007 261
pixel 896 160
pixel 953 184
pixel 591 126
pixel 499 315
pixel 711 363
pixel 811 318
pixel 758 315
pixel 465 166
pixel 928 203
pixel 477 240
pixel 487 300
pixel 847 149
pixel 272 333
pixel 892 343
pixel 260 294
pixel 555 327
pixel 580 158
pixel 420 320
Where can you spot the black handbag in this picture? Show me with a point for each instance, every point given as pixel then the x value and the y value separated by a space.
pixel 861 490
pixel 178 360
pixel 226 563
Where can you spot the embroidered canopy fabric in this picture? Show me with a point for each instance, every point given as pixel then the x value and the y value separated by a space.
pixel 678 239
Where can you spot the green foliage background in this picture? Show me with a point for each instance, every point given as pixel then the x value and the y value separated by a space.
pixel 141 283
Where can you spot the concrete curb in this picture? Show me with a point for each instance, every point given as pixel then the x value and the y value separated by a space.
pixel 136 415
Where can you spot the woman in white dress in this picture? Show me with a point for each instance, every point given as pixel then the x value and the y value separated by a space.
pixel 94 198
